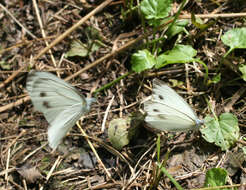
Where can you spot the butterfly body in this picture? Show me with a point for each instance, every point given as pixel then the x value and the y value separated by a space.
pixel 61 104
pixel 168 111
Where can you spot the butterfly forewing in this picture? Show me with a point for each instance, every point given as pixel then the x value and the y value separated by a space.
pixel 61 104
pixel 167 110
pixel 165 95
pixel 155 108
pixel 40 84
pixel 50 94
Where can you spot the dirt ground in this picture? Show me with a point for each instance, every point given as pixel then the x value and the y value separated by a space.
pixel 27 161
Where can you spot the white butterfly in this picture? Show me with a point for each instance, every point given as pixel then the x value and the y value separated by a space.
pixel 168 111
pixel 61 104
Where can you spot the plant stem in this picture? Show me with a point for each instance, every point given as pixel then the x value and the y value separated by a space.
pixel 111 83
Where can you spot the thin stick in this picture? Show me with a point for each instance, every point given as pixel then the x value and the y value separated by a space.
pixel 3 172
pixel 23 27
pixel 24 42
pixel 7 166
pixel 53 168
pixel 112 150
pixel 93 149
pixel 22 132
pixel 24 184
pixel 33 152
pixel 223 15
pixel 74 27
pixel 14 104
pixel 234 98
pixel 42 30
pixel 57 40
pixel 110 55
pixel 106 114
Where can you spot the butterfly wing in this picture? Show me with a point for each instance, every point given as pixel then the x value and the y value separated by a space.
pixel 51 95
pixel 61 104
pixel 62 124
pixel 168 119
pixel 167 110
pixel 166 95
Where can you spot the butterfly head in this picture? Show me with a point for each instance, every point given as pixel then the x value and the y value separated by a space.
pixel 89 101
pixel 199 122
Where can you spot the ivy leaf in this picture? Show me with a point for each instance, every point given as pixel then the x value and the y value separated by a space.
pixel 224 132
pixel 80 49
pixel 215 177
pixel 155 9
pixel 235 39
pixel 77 49
pixel 142 60
pixel 242 68
pixel 177 28
pixel 179 54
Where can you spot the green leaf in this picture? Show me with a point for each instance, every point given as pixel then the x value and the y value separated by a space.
pixel 177 28
pixel 176 83
pixel 122 130
pixel 82 50
pixel 197 22
pixel 155 9
pixel 92 33
pixel 118 132
pixel 215 177
pixel 242 68
pixel 4 65
pixel 142 60
pixel 77 49
pixel 235 38
pixel 179 54
pixel 244 150
pixel 95 46
pixel 224 132
pixel 215 79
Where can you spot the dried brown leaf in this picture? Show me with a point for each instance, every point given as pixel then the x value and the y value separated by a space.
pixel 30 174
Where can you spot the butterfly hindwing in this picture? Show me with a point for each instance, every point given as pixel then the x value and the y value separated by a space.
pixel 170 119
pixel 62 124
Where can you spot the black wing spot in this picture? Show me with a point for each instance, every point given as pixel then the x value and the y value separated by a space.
pixel 162 116
pixel 161 97
pixel 42 94
pixel 46 104
pixel 156 110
